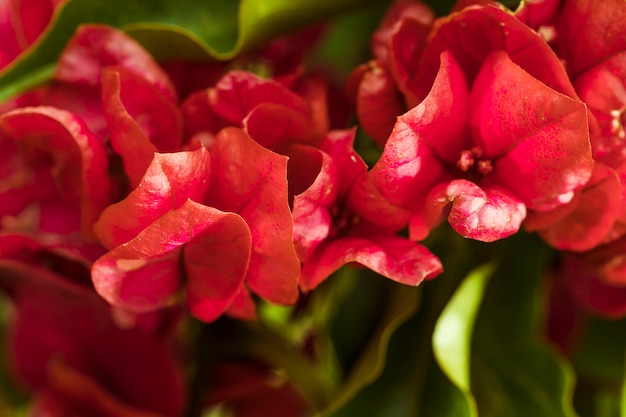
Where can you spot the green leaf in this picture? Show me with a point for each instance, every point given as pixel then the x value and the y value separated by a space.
pixel 181 29
pixel 452 337
pixel 401 302
pixel 523 380
pixel 515 373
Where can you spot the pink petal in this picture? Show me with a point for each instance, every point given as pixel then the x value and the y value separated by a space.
pixel 590 288
pixel 395 258
pixel 543 138
pixel 144 274
pixel 252 181
pixel 170 180
pixel 482 214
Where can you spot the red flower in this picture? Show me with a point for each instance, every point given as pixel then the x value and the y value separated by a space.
pixel 219 222
pixel 469 148
pixel 340 218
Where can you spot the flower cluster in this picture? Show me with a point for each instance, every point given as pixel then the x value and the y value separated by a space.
pixel 136 194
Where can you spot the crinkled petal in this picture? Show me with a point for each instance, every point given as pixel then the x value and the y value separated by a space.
pixel 55 321
pixel 275 126
pixel 170 180
pixel 395 258
pixel 482 214
pixel 80 165
pixel 207 248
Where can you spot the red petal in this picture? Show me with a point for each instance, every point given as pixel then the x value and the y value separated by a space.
pixel 239 92
pixel 141 120
pixel 275 126
pixel 243 306
pixel 474 33
pixel 593 216
pixel 399 12
pixel 252 181
pixel 94 47
pixel 543 138
pixel 144 273
pixel 395 258
pixel 56 320
pixel 311 217
pixel 604 23
pixel 433 132
pixel 169 181
pixel 80 164
pixel 407 45
pixel 378 103
pixel 590 288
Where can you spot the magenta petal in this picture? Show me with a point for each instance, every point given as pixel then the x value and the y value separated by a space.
pixel 144 274
pixel 483 214
pixel 543 138
pixel 80 166
pixel 168 182
pixel 252 181
pixel 395 258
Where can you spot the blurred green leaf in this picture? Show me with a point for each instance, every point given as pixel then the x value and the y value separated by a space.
pixel 401 302
pixel 182 29
pixel 452 337
pixel 515 373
